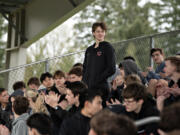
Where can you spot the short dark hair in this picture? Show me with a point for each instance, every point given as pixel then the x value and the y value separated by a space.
pixel 44 75
pixel 33 80
pixel 41 122
pixel 89 95
pixel 174 60
pixel 136 91
pixel 129 58
pixel 78 65
pixel 170 118
pixel 76 87
pixel 99 24
pixel 59 73
pixel 109 123
pixel 2 90
pixel 155 50
pixel 20 105
pixel 76 70
pixel 19 85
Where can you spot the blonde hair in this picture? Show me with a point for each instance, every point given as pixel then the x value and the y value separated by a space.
pixel 38 101
pixel 132 78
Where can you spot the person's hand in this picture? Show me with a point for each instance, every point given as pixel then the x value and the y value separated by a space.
pixel 114 86
pixel 163 75
pixel 160 102
pixel 4 130
pixel 150 68
pixel 161 132
pixel 163 91
pixel 116 102
pixel 52 99
pixel 174 91
pixel 63 104
pixel 62 89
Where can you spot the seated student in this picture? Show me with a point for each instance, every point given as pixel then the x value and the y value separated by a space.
pixel 158 57
pixel 138 105
pixel 170 119
pixel 172 70
pixel 75 74
pixel 36 102
pixel 117 87
pixel 57 111
pixel 19 127
pixel 5 108
pixel 39 124
pixel 19 85
pixel 33 83
pixel 130 67
pixel 78 124
pixel 19 88
pixel 59 86
pixel 108 123
pixel 20 107
pixel 47 81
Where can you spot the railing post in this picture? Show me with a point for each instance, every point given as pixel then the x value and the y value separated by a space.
pixel 151 63
pixel 47 65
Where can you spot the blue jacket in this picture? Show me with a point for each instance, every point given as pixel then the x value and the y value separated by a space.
pixel 156 75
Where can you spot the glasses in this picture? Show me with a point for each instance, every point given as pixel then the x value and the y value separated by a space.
pixel 128 102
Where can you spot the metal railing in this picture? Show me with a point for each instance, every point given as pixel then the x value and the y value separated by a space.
pixel 138 47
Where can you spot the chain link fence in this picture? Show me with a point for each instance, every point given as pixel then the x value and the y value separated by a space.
pixel 138 47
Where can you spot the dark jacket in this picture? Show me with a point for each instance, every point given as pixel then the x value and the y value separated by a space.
pixel 172 99
pixel 148 109
pixel 78 124
pixel 58 115
pixel 6 116
pixel 156 75
pixel 99 64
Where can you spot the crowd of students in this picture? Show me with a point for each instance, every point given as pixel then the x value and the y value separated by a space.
pixel 96 97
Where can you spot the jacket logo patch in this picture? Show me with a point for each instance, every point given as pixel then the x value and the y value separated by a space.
pixel 99 53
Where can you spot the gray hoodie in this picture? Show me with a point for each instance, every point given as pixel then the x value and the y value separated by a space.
pixel 19 126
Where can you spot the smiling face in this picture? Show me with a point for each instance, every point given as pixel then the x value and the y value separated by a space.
pixel 158 57
pixel 99 34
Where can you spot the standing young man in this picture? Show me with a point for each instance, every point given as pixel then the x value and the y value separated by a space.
pixel 99 62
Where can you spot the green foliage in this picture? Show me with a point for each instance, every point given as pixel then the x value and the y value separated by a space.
pixel 167 15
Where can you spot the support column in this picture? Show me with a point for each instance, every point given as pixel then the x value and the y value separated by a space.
pixel 15 54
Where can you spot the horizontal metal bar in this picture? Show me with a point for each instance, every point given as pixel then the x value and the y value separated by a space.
pixel 37 62
pixel 147 120
pixel 148 36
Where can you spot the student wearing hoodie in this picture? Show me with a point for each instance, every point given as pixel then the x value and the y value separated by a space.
pixel 20 107
pixel 138 105
pixel 99 62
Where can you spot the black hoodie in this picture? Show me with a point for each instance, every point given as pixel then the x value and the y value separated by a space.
pixel 99 64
